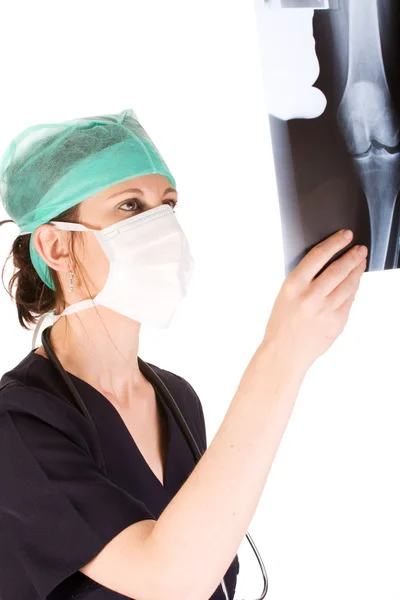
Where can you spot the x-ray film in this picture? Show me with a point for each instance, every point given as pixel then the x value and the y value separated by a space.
pixel 332 90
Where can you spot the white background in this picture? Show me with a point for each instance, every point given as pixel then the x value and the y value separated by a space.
pixel 327 524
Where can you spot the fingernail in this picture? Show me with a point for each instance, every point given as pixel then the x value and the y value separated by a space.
pixel 347 234
pixel 363 250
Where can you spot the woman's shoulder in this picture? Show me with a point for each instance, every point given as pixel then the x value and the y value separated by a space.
pixel 31 378
pixel 32 389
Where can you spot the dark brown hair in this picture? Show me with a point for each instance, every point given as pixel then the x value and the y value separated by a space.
pixel 32 296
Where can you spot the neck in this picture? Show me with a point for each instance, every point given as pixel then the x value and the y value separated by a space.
pixel 100 346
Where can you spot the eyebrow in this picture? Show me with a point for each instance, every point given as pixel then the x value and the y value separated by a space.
pixel 138 191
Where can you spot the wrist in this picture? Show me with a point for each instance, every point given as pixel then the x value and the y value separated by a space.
pixel 283 358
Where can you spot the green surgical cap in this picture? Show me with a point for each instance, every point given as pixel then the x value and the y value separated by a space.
pixel 49 168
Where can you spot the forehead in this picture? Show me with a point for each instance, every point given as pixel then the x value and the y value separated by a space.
pixel 146 183
pixel 153 181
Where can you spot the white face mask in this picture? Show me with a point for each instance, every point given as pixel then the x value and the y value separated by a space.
pixel 150 266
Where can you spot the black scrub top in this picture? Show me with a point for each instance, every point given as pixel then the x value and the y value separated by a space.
pixel 58 508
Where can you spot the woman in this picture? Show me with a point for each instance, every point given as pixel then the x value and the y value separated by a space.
pixel 158 525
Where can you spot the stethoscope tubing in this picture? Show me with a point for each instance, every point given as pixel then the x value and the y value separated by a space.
pixel 164 391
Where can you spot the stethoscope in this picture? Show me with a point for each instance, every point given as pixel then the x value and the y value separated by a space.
pixel 162 390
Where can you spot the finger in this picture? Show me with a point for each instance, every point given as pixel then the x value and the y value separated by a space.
pixel 347 288
pixel 337 272
pixel 344 310
pixel 320 254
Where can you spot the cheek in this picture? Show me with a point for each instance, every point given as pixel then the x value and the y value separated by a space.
pixel 96 264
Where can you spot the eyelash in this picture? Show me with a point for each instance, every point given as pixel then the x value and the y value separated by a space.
pixel 175 202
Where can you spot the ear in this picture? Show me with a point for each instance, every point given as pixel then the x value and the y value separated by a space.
pixel 51 245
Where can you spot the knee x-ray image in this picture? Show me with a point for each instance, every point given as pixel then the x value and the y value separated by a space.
pixel 331 71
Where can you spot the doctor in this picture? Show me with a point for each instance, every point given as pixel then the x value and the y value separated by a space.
pixel 101 247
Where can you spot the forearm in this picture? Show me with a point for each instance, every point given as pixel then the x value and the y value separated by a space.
pixel 200 530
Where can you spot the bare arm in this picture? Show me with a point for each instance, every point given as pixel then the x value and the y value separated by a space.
pixel 209 516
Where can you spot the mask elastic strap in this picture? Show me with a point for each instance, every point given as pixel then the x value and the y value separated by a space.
pixel 64 226
pixel 71 226
pixel 38 325
pixel 89 303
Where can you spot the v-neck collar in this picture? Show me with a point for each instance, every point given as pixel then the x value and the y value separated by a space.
pixel 148 374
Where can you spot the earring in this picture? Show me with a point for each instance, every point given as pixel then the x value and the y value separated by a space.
pixel 71 274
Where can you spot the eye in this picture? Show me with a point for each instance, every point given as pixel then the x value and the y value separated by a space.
pixel 130 201
pixel 172 203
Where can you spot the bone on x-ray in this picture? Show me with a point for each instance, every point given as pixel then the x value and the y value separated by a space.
pixel 333 97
